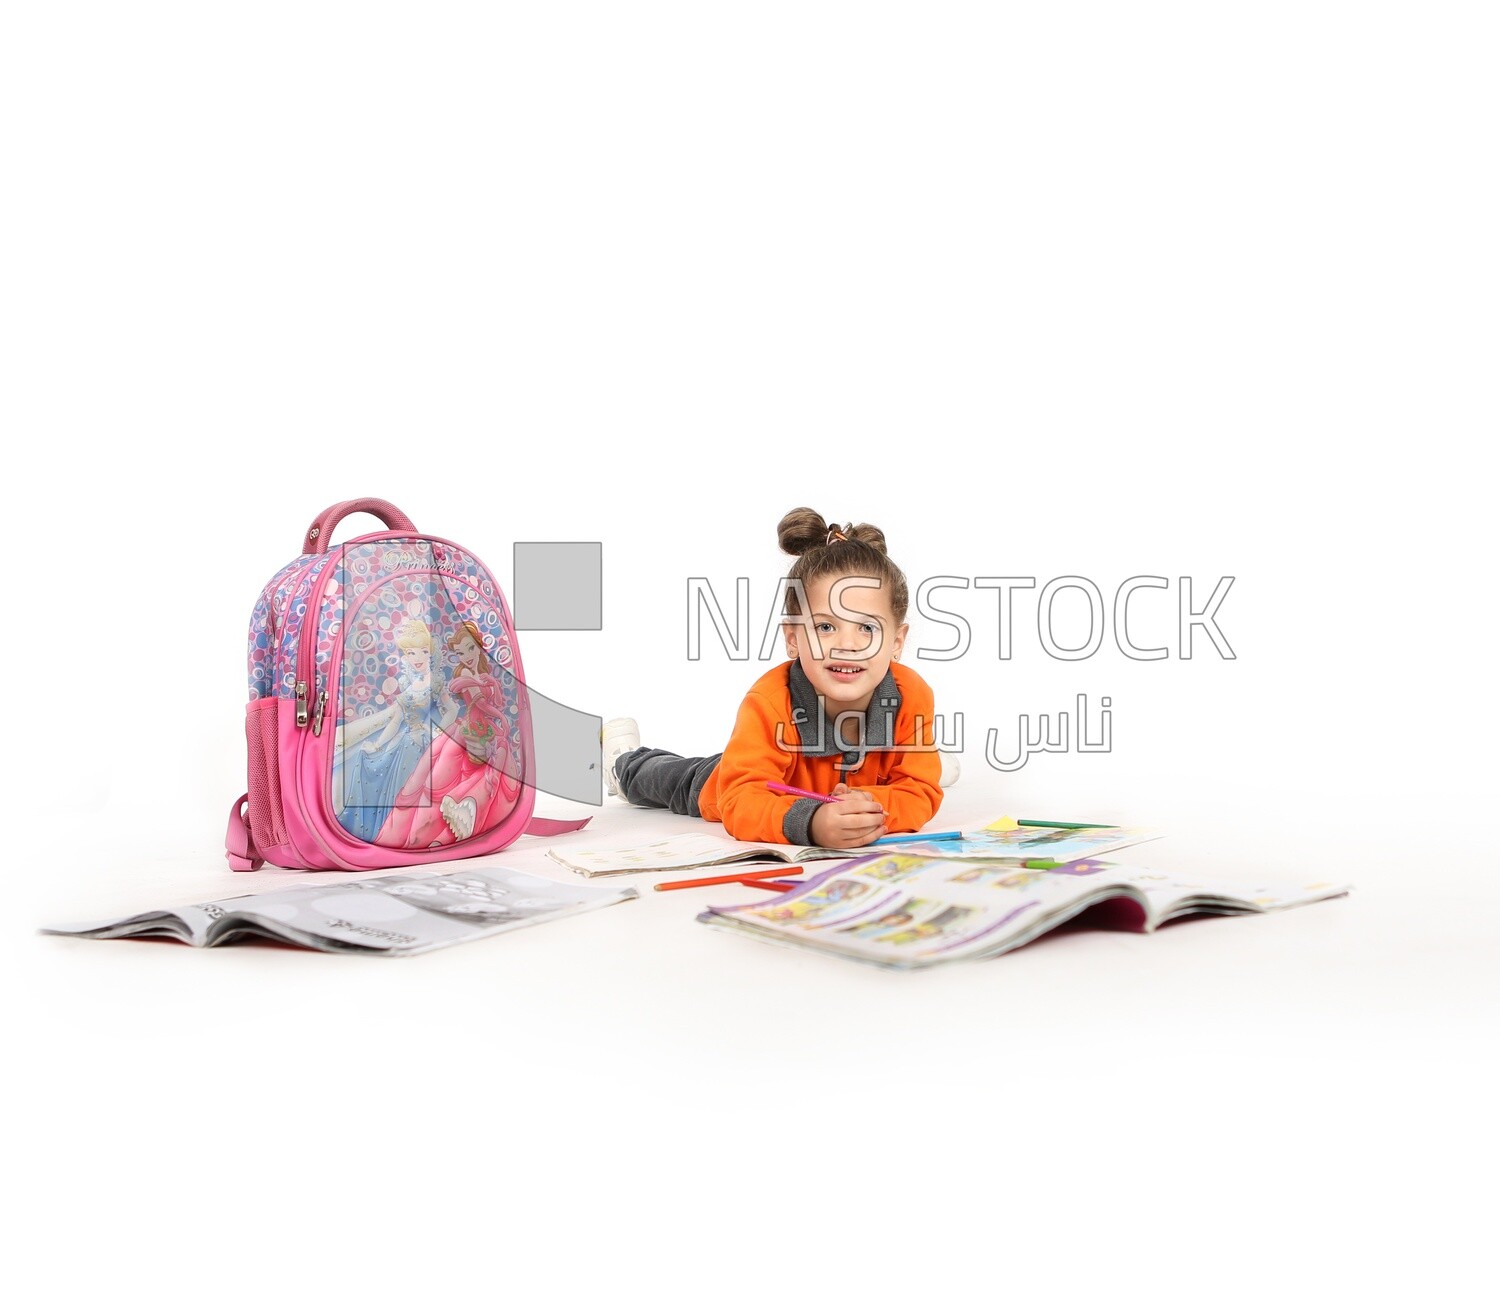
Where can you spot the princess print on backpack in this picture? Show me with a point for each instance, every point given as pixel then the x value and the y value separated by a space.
pixel 472 779
pixel 388 722
pixel 379 752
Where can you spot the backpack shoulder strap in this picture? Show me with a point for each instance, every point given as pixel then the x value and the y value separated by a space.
pixel 239 846
pixel 550 828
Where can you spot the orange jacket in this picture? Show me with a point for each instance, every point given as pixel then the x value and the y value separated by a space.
pixel 779 713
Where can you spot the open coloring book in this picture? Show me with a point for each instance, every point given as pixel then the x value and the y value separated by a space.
pixel 394 915
pixel 692 850
pixel 905 911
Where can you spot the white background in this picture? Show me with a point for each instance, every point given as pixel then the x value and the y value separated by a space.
pixel 1077 289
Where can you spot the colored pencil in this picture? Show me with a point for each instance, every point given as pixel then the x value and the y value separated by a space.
pixel 728 878
pixel 890 838
pixel 1056 823
pixel 770 885
pixel 787 790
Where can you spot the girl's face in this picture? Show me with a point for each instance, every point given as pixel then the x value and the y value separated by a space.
pixel 468 650
pixel 419 659
pixel 845 656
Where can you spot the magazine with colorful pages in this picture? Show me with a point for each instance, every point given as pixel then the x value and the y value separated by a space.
pixel 905 911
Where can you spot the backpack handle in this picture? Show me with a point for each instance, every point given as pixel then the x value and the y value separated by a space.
pixel 320 535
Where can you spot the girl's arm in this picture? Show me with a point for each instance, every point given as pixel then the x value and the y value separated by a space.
pixel 747 808
pixel 912 796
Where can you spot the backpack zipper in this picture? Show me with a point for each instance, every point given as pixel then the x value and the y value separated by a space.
pixel 308 637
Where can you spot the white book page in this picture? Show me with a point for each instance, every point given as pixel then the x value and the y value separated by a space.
pixel 395 914
pixel 681 851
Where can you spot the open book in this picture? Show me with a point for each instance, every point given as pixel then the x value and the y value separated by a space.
pixel 905 911
pixel 394 915
pixel 692 850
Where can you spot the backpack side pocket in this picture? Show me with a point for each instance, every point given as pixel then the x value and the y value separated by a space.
pixel 267 827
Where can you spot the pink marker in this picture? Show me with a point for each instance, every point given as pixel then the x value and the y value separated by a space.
pixel 787 790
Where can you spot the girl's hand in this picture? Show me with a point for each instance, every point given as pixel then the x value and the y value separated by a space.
pixel 842 790
pixel 854 820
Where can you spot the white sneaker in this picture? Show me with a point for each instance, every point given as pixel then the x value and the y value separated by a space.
pixel 617 737
pixel 950 770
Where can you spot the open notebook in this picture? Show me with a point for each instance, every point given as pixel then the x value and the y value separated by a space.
pixel 693 850
pixel 393 915
pixel 906 912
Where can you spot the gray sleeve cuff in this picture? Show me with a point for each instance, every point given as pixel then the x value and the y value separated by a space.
pixel 796 824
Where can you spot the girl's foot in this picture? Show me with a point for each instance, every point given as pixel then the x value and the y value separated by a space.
pixel 617 737
pixel 950 770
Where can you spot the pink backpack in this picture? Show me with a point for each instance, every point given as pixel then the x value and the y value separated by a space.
pixel 388 721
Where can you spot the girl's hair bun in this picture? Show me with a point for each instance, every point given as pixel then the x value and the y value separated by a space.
pixel 802 530
pixel 826 550
pixel 869 534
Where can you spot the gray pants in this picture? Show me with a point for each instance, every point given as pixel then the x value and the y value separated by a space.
pixel 651 777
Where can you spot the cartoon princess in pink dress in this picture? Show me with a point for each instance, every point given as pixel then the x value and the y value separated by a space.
pixel 473 780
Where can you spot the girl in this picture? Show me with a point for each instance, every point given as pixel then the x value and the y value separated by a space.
pixel 840 717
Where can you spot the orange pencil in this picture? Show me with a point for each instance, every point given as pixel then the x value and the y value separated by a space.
pixel 729 878
pixel 770 885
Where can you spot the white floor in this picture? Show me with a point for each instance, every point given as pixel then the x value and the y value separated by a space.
pixel 1230 1110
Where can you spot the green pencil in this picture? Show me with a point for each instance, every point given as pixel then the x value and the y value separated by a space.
pixel 1056 823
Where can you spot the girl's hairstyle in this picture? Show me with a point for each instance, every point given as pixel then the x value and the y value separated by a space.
pixel 467 628
pixel 826 550
pixel 414 635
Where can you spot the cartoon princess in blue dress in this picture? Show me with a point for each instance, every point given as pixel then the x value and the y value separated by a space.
pixel 474 779
pixel 375 768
